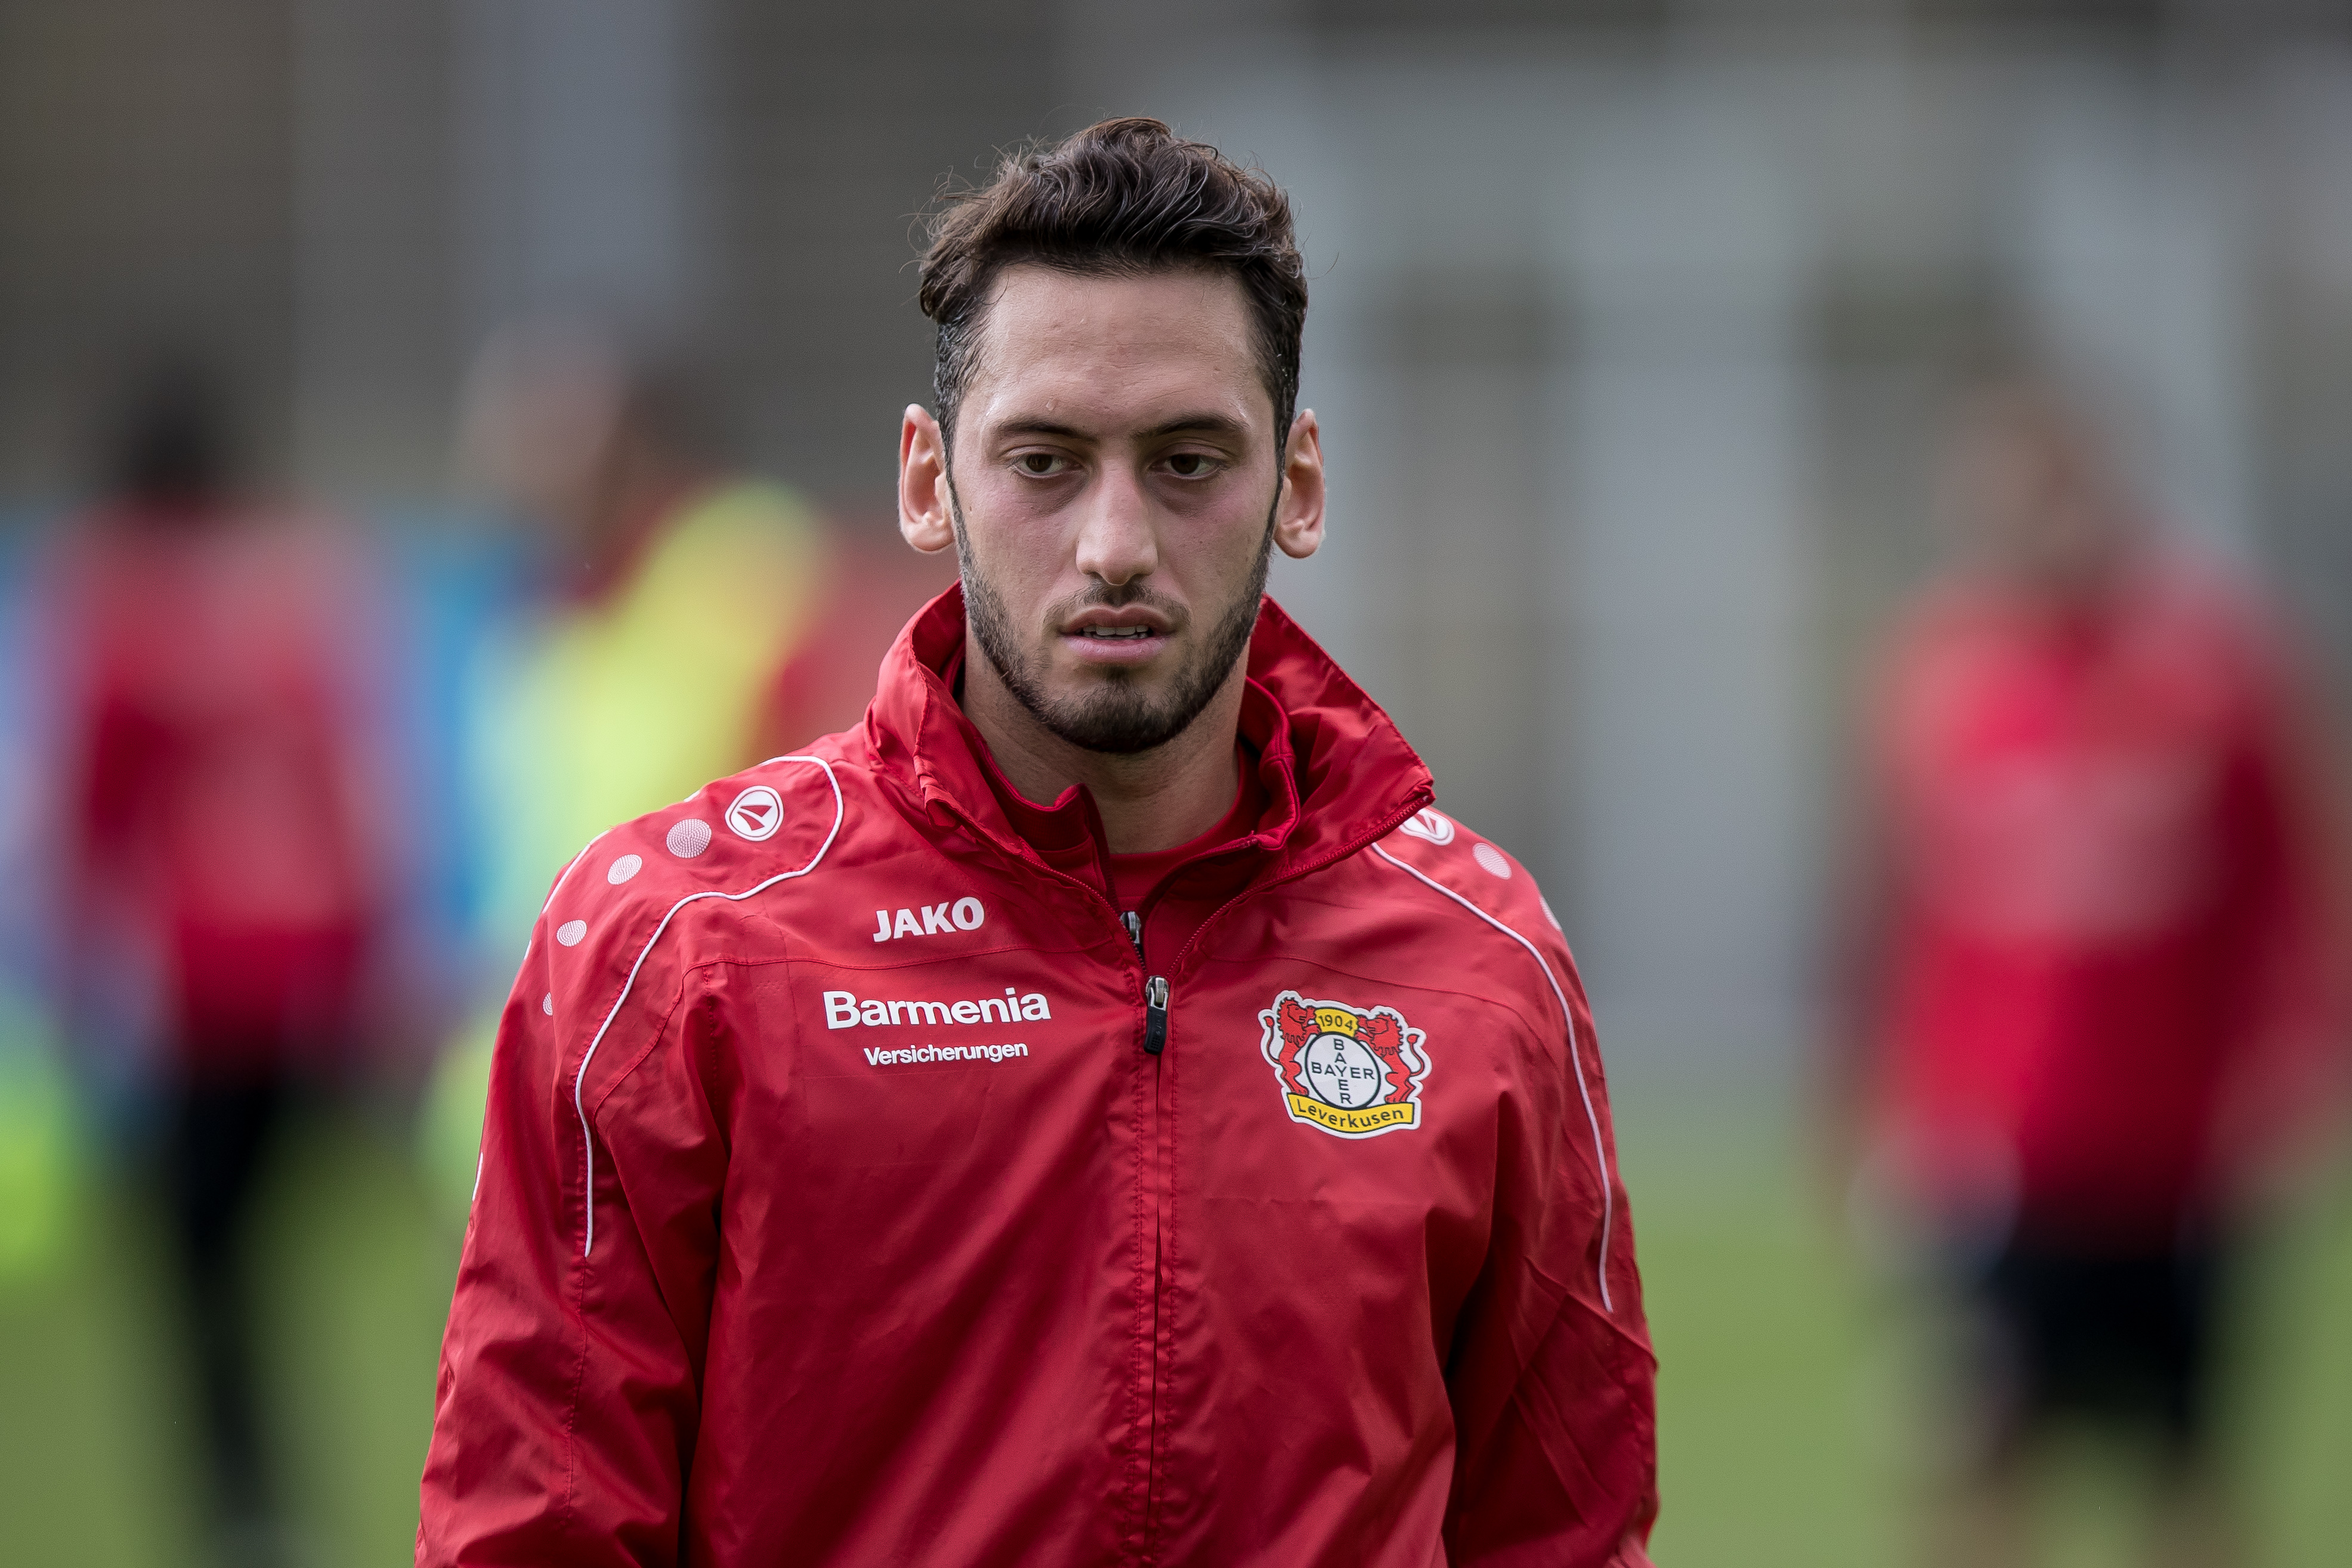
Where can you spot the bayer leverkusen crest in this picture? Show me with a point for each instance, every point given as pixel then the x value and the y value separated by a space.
pixel 1355 1074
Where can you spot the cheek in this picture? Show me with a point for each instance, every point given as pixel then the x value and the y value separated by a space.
pixel 1020 550
pixel 1216 548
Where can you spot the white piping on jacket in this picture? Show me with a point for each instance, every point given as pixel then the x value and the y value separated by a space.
pixel 1575 1057
pixel 565 875
pixel 587 1136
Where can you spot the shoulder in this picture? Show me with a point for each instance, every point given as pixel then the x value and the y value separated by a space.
pixel 749 523
pixel 1478 876
pixel 744 555
pixel 1464 891
pixel 2194 603
pixel 1955 619
pixel 667 890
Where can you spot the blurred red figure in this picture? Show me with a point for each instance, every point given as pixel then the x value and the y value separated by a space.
pixel 218 841
pixel 698 618
pixel 2098 993
pixel 694 618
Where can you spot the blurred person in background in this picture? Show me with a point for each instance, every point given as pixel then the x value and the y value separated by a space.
pixel 2094 1006
pixel 691 620
pixel 225 873
pixel 671 589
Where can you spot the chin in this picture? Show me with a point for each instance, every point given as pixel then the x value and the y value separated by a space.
pixel 1118 717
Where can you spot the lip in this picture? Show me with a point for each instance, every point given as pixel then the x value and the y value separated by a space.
pixel 1149 630
pixel 1119 618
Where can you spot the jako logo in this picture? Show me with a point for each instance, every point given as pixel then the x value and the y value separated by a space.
pixel 844 1009
pixel 1427 824
pixel 756 814
pixel 964 914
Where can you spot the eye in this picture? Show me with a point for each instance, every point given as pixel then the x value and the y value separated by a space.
pixel 1041 465
pixel 1192 464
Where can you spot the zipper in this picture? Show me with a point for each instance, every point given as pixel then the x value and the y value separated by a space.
pixel 1155 1014
pixel 1156 991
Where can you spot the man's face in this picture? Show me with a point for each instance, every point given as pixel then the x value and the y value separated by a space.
pixel 1113 491
pixel 542 411
pixel 2033 491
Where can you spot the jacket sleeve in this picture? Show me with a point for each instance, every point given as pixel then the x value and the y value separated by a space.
pixel 1551 1371
pixel 568 1391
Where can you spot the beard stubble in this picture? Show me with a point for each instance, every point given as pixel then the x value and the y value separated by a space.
pixel 1122 714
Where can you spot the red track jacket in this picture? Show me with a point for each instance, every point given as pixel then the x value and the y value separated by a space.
pixel 850 1194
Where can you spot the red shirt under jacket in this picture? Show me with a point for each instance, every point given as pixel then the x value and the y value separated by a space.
pixel 2107 919
pixel 834 1212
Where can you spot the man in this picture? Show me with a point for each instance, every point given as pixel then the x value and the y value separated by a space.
pixel 1095 1112
pixel 674 592
pixel 2099 991
pixel 221 838
pixel 689 613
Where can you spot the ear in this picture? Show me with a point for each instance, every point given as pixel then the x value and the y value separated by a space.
pixel 1299 513
pixel 925 520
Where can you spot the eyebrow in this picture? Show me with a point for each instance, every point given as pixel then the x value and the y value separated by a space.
pixel 1182 424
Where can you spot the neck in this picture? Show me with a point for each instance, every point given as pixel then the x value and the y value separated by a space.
pixel 617 519
pixel 1148 800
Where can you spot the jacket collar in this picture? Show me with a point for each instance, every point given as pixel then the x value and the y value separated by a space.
pixel 1337 772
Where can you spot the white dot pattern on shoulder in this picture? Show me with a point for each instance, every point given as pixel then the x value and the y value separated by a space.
pixel 1489 856
pixel 688 837
pixel 547 1004
pixel 571 931
pixel 625 868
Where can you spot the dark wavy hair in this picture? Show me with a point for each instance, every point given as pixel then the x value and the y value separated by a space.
pixel 1121 198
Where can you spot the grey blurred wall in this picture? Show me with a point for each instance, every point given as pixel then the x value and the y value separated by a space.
pixel 1634 354
pixel 1633 321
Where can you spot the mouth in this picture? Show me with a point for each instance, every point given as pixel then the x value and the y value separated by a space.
pixel 1129 634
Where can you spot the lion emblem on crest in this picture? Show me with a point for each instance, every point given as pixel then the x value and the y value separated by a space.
pixel 1355 1073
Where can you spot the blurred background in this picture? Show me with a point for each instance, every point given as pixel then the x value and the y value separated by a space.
pixel 1637 330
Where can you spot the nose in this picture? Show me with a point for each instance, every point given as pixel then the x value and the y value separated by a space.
pixel 1117 541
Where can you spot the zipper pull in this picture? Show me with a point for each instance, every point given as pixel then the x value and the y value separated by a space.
pixel 1134 923
pixel 1155 1015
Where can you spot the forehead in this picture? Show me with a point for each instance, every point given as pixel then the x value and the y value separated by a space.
pixel 1103 352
